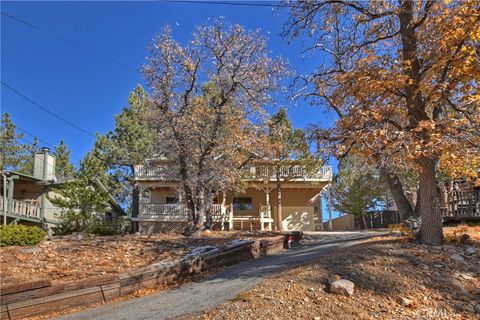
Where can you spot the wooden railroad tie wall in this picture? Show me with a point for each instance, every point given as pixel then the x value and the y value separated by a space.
pixel 40 297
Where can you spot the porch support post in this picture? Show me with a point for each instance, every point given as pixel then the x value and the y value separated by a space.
pixel 223 210
pixel 230 218
pixel 268 212
pixel 329 199
pixel 4 185
pixel 10 184
pixel 319 217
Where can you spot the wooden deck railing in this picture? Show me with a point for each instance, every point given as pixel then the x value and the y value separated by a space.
pixel 294 173
pixel 462 203
pixel 219 213
pixel 21 208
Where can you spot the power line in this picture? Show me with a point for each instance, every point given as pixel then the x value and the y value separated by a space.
pixel 34 136
pixel 73 43
pixel 41 140
pixel 35 154
pixel 233 3
pixel 47 110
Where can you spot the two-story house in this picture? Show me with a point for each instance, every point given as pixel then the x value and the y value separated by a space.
pixel 158 206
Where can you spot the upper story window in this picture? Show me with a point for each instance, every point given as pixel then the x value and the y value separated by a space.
pixel 242 203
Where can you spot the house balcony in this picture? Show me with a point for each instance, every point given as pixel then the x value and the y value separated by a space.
pixel 294 173
pixel 290 173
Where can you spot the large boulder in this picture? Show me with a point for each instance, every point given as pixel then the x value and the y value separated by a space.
pixel 342 286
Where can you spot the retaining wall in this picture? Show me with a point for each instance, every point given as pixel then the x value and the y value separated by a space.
pixel 40 297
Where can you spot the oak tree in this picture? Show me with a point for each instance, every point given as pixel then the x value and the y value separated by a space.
pixel 208 98
pixel 402 77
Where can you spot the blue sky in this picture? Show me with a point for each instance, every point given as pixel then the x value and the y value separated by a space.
pixel 89 90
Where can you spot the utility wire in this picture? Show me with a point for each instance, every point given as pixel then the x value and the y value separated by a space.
pixel 41 140
pixel 30 143
pixel 73 43
pixel 234 3
pixel 34 136
pixel 47 110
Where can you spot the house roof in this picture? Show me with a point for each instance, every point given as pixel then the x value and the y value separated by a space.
pixel 21 176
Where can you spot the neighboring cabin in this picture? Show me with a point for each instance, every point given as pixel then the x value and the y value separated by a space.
pixel 158 205
pixel 25 197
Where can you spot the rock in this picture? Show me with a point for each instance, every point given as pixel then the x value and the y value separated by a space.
pixel 464 238
pixel 316 318
pixel 342 286
pixel 468 308
pixel 466 276
pixel 470 250
pixel 31 250
pixel 477 308
pixel 457 285
pixel 404 301
pixel 438 266
pixel 457 257
pixel 77 237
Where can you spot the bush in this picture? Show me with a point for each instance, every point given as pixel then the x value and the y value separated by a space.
pixel 20 235
pixel 458 237
pixel 69 221
pixel 402 230
pixel 105 228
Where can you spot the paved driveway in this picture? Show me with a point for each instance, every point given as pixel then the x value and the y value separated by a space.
pixel 225 285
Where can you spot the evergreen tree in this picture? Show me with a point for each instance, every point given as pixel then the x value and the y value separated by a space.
pixel 81 200
pixel 289 148
pixel 357 188
pixel 11 149
pixel 27 157
pixel 63 167
pixel 127 145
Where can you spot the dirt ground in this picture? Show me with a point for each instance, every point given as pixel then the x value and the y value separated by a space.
pixel 394 279
pixel 81 256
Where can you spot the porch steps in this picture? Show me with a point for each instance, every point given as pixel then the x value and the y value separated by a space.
pixel 241 224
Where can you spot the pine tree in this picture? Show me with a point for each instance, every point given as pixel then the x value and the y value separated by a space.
pixel 64 169
pixel 11 149
pixel 357 188
pixel 27 157
pixel 289 147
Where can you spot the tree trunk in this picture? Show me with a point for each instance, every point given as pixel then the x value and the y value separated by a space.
pixel 431 230
pixel 135 207
pixel 200 211
pixel 396 189
pixel 364 222
pixel 416 211
pixel 279 207
pixel 208 210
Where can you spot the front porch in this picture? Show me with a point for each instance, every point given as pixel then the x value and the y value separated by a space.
pixel 222 217
pixel 13 211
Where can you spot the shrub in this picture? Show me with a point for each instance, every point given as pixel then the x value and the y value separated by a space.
pixel 402 230
pixel 69 221
pixel 20 235
pixel 105 228
pixel 457 236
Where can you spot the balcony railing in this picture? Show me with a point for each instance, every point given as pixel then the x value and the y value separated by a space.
pixel 21 208
pixel 293 173
pixel 254 173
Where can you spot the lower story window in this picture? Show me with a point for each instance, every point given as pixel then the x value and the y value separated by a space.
pixel 171 200
pixel 242 203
